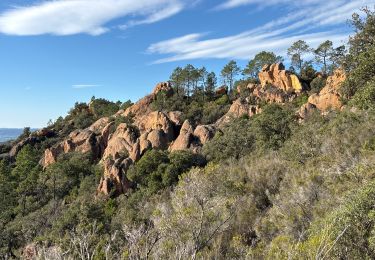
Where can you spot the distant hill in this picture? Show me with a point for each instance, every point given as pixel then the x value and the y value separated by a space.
pixel 7 134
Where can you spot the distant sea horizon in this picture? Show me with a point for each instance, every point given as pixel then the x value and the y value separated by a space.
pixel 7 134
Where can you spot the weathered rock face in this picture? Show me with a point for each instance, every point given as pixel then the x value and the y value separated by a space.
pixel 204 133
pixel 121 142
pixel 157 120
pixel 164 87
pixel 329 96
pixel 93 140
pixel 184 139
pixel 240 107
pixel 114 178
pixel 176 117
pixel 277 76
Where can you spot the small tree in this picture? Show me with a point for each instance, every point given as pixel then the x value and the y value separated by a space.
pixel 296 52
pixel 229 73
pixel 323 54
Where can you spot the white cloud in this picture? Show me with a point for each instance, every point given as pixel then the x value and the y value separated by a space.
pixel 316 22
pixel 242 46
pixel 66 17
pixel 228 4
pixel 81 86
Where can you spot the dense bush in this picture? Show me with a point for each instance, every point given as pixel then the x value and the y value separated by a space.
pixel 364 98
pixel 317 84
pixel 158 169
pixel 234 141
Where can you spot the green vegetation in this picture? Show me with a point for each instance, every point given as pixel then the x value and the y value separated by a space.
pixel 265 187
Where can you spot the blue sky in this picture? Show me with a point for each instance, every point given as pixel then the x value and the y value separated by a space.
pixel 54 53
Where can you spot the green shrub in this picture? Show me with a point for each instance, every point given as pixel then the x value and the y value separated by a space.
pixel 317 84
pixel 235 141
pixel 272 126
pixel 364 98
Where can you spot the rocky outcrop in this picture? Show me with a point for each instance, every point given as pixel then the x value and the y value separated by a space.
pixel 204 133
pixel 276 75
pixel 164 87
pixel 329 97
pixel 271 94
pixel 121 143
pixel 184 139
pixel 91 140
pixel 114 179
pixel 176 117
pixel 192 139
pixel 118 148
pixel 34 138
pixel 240 107
pixel 18 147
pixel 157 120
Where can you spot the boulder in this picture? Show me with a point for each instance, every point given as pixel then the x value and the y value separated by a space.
pixel 277 76
pixel 157 120
pixel 204 133
pixel 51 154
pixel 99 125
pixel 114 178
pixel 184 139
pixel 240 107
pixel 176 117
pixel 138 110
pixel 329 97
pixel 121 142
pixel 158 139
pixel 144 143
pixel 142 107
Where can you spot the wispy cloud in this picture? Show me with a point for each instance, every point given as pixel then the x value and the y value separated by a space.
pixel 228 4
pixel 315 23
pixel 81 86
pixel 66 17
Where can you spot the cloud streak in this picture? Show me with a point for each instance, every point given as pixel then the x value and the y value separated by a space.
pixel 83 86
pixel 315 23
pixel 67 17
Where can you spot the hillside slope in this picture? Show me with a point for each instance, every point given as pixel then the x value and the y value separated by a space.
pixel 280 167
